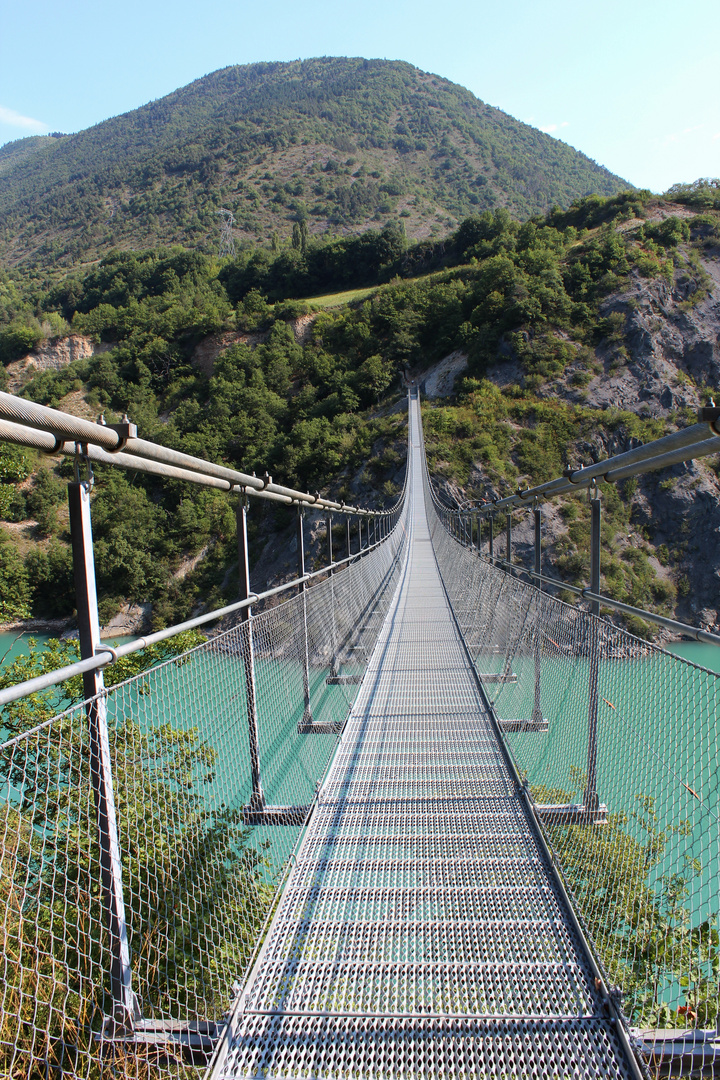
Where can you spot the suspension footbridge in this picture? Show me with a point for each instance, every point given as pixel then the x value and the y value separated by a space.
pixel 422 930
pixel 409 816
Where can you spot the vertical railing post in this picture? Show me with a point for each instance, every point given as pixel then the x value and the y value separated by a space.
pixel 347 536
pixel 257 796
pixel 328 527
pixel 125 1007
pixel 305 653
pixel 591 794
pixel 537 716
pixel 508 537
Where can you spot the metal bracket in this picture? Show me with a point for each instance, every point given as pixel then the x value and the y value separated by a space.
pixel 57 446
pixel 194 1040
pixel 709 414
pixel 319 727
pixel 81 455
pixel 571 814
pixel 523 725
pixel 275 815
pixel 125 430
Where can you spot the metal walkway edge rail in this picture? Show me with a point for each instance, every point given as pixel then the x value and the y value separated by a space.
pixel 423 930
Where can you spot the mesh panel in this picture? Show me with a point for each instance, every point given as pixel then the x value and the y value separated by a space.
pixel 636 803
pixel 200 868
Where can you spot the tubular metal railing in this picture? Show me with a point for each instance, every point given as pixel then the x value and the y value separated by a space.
pixel 465 523
pixel 146 829
pixel 616 741
pixel 54 432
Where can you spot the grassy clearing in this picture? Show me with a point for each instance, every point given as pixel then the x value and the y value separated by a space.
pixel 333 300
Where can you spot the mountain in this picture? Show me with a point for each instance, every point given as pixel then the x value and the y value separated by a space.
pixel 341 143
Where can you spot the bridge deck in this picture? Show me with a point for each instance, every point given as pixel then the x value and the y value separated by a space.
pixel 421 932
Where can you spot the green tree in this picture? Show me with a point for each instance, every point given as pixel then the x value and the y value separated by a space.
pixel 374 376
pixel 187 868
pixel 14 585
pixel 43 500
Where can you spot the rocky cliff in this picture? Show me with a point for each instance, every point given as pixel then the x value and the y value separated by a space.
pixel 659 362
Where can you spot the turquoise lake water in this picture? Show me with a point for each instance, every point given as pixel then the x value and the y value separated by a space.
pixel 14 645
pixel 656 733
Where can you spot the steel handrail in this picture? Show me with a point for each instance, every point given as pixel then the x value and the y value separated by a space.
pixel 680 446
pixel 109 654
pixel 53 431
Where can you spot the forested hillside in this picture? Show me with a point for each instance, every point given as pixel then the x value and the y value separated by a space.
pixel 333 144
pixel 583 331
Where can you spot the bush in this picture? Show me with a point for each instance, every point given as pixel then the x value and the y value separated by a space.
pixel 43 499
pixel 17 340
pixel 14 585
pixel 50 576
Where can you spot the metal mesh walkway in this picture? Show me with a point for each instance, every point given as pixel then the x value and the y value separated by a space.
pixel 422 932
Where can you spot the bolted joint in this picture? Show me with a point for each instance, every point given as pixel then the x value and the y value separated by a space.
pixel 709 414
pixel 124 430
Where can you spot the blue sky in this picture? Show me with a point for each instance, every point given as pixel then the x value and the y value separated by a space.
pixel 634 84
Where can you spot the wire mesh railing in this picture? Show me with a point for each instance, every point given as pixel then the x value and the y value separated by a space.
pixel 200 868
pixel 617 741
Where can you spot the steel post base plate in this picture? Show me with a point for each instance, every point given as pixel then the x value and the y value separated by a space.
pixel 275 815
pixel 571 814
pixel 523 725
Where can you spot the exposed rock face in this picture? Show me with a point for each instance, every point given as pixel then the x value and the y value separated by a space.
pixel 664 357
pixel 440 379
pixel 131 619
pixel 673 349
pixel 302 327
pixel 208 350
pixel 52 355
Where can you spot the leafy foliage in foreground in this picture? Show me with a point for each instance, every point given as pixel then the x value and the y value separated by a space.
pixel 643 933
pixel 188 867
